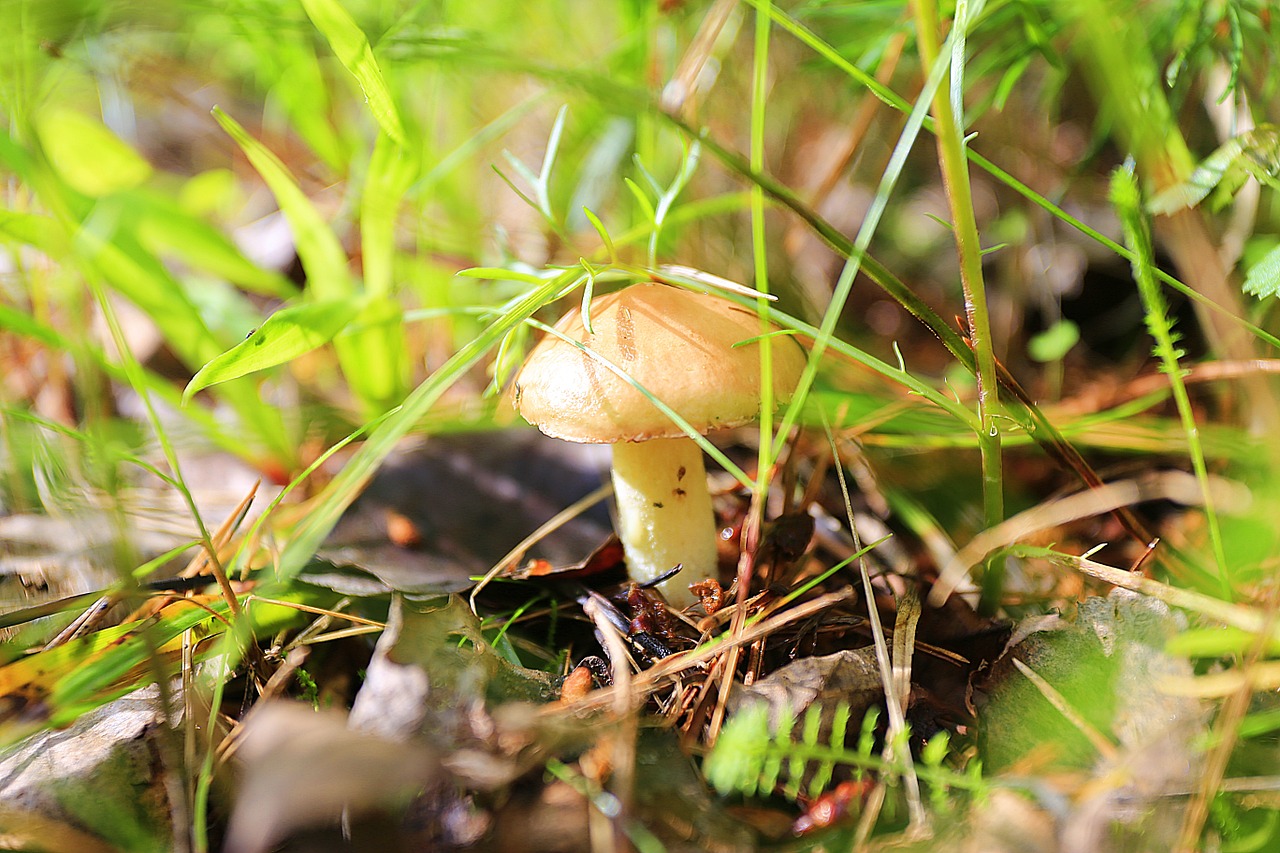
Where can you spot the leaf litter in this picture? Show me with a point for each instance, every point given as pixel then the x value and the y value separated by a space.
pixel 562 696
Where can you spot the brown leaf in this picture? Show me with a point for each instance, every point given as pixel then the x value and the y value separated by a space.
pixel 304 768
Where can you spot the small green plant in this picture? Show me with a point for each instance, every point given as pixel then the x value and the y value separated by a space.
pixel 757 757
pixel 309 689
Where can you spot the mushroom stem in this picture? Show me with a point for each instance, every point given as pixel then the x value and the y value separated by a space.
pixel 664 513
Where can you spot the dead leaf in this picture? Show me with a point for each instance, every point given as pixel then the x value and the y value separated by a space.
pixel 849 677
pixel 303 768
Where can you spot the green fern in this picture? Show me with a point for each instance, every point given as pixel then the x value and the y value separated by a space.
pixel 1253 154
pixel 1127 199
pixel 755 757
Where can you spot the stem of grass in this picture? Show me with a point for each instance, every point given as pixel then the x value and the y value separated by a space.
pixel 955 175
pixel 759 89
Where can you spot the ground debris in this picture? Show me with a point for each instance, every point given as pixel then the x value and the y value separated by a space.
pixel 303 768
pixel 851 678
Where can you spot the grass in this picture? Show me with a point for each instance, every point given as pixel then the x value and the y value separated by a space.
pixel 149 153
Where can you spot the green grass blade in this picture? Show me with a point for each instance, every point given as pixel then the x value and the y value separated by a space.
pixel 351 46
pixel 318 248
pixel 88 156
pixel 286 334
pixel 164 228
pixel 392 170
pixel 374 345
pixel 32 229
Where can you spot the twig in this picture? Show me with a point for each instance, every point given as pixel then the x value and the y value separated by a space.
pixel 652 679
pixel 624 738
pixel 1170 485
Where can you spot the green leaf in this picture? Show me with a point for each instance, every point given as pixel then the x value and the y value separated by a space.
pixel 1263 279
pixel 22 323
pixel 343 489
pixel 318 248
pixel 88 156
pixel 209 192
pixel 1255 153
pixel 285 335
pixel 142 279
pixel 502 274
pixel 164 226
pixel 392 170
pixel 604 234
pixel 1054 342
pixel 375 341
pixel 351 46
pixel 1215 642
pixel 31 229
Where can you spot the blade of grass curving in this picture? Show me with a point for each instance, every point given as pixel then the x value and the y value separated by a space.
pixel 285 335
pixel 505 274
pixel 760 260
pixel 588 294
pixel 318 248
pixel 642 199
pixel 857 253
pixel 949 120
pixel 351 46
pixel 549 159
pixel 1127 200
pixel 605 237
pixel 370 366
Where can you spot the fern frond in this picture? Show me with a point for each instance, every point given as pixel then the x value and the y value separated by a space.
pixel 756 756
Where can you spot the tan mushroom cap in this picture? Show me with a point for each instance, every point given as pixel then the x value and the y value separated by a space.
pixel 679 345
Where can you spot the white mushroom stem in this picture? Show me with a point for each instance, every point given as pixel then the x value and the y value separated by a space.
pixel 664 513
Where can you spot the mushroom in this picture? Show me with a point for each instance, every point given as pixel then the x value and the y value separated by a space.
pixel 680 347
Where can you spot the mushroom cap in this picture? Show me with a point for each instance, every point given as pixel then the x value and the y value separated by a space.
pixel 677 344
